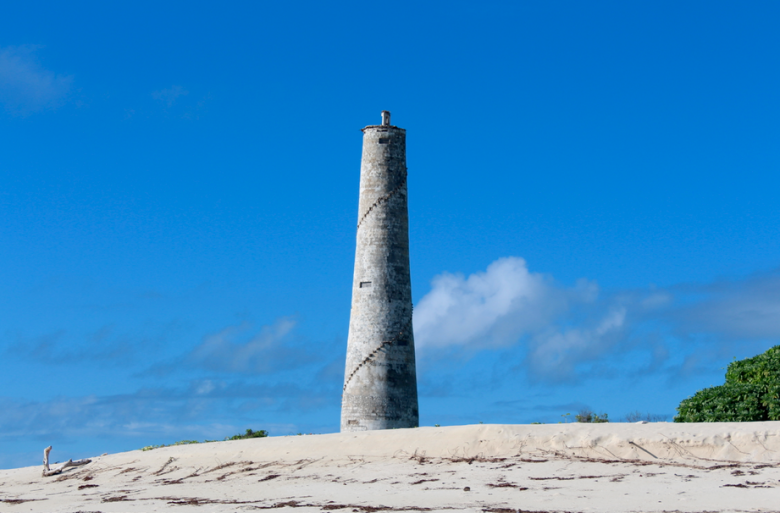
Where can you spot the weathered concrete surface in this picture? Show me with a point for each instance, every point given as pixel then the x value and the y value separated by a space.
pixel 380 381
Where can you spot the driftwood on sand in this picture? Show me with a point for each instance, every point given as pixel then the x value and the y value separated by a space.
pixel 47 471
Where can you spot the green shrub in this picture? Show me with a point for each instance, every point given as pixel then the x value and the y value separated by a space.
pixel 735 402
pixel 249 434
pixel 590 417
pixel 761 369
pixel 751 393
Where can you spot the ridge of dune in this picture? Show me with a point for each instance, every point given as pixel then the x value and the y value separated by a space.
pixel 427 469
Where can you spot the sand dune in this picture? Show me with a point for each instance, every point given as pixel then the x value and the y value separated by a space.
pixel 485 468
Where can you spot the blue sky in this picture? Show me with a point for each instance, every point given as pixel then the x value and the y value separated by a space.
pixel 593 209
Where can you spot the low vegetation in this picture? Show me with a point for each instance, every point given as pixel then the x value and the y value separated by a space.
pixel 751 393
pixel 241 436
pixel 585 415
pixel 638 416
pixel 249 434
pixel 589 416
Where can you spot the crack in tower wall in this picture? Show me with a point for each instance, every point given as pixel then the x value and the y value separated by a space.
pixel 380 381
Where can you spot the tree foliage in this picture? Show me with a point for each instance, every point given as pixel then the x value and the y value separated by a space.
pixel 751 393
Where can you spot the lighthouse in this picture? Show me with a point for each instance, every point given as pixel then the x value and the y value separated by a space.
pixel 380 378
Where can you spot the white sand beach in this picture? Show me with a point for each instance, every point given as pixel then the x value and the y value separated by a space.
pixel 653 467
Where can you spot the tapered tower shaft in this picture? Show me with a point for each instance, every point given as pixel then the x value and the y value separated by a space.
pixel 380 382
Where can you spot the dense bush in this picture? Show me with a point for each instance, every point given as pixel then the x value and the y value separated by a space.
pixel 751 393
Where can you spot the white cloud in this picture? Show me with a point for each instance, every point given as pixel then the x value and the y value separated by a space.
pixel 493 308
pixel 25 86
pixel 559 329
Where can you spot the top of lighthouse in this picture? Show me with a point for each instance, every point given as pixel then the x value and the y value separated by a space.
pixel 385 123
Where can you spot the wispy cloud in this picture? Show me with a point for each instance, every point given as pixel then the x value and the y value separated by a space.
pixel 241 349
pixel 200 410
pixel 25 86
pixel 731 309
pixel 177 102
pixel 567 332
pixel 106 345
pixel 148 411
pixel 170 95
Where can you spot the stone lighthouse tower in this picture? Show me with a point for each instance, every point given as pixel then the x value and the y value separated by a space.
pixel 380 379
